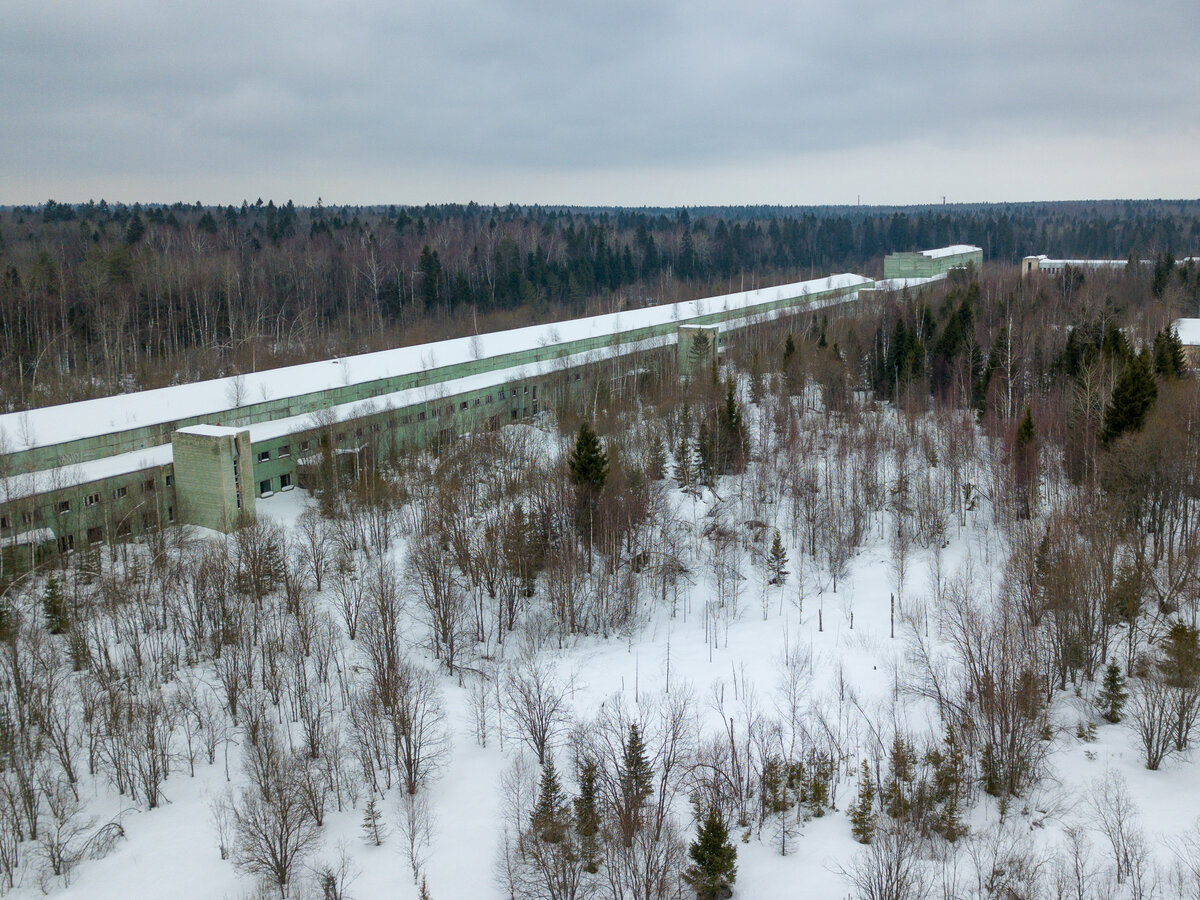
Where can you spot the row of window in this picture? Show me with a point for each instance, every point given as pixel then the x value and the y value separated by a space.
pixel 95 534
pixel 149 486
pixel 266 486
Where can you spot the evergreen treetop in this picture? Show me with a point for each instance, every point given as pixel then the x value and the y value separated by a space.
pixel 588 463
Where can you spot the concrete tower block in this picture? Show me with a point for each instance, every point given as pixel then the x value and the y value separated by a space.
pixel 213 476
pixel 698 348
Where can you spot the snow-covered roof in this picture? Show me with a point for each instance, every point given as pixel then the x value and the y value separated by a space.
pixel 954 250
pixel 897 284
pixel 19 486
pixel 211 431
pixel 51 425
pixel 1189 331
pixel 16 487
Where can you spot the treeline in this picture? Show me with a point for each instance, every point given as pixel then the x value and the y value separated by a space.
pixel 99 297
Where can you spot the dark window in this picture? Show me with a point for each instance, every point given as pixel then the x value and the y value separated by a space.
pixel 123 528
pixel 170 514
pixel 148 486
pixel 264 456
pixel 120 492
pixel 377 426
pixel 489 398
pixel 358 432
pixel 477 401
pixel 95 534
pixel 463 405
pixel 535 392
pixel 66 543
pixel 64 506
pixel 91 500
pixel 341 436
pixel 421 417
pixel 576 376
pixel 4 522
pixel 502 395
pixel 264 486
pixel 304 446
pixel 169 480
pixel 285 481
pixel 285 450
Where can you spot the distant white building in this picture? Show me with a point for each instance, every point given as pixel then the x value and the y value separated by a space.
pixel 1189 335
pixel 1043 263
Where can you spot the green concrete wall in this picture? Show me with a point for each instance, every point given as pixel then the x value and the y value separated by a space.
pixel 918 265
pixel 213 483
pixel 128 505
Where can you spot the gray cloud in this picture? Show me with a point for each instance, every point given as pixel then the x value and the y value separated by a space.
pixel 619 101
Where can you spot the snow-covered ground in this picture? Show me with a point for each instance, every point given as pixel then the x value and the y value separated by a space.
pixel 855 668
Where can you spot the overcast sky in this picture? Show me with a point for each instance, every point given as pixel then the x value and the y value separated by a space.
pixel 632 102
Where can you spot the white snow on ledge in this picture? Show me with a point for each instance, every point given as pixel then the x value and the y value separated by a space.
pixel 953 250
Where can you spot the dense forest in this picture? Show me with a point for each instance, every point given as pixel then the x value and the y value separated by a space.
pixel 97 298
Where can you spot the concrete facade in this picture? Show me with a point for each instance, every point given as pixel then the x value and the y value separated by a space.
pixel 116 483
pixel 213 473
pixel 927 263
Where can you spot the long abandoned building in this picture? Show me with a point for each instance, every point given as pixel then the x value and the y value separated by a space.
pixel 115 467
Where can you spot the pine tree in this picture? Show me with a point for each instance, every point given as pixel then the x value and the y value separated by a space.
pixel 1025 465
pixel 1132 397
pixel 789 351
pixel 714 859
pixel 733 435
pixel 1169 361
pixel 1112 696
pixel 900 775
pixel 372 822
pixel 684 464
pixel 588 463
pixel 777 800
pixel 777 562
pixel 635 781
pixel 862 813
pixel 588 469
pixel 656 465
pixel 58 617
pixel 587 815
pixel 706 452
pixel 551 816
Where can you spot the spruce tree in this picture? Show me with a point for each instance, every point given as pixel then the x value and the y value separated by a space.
pixel 588 469
pixel 588 463
pixel 862 813
pixel 551 816
pixel 733 434
pixel 587 815
pixel 58 617
pixel 1112 696
pixel 714 859
pixel 1132 397
pixel 777 562
pixel 635 781
pixel 372 822
pixel 684 464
